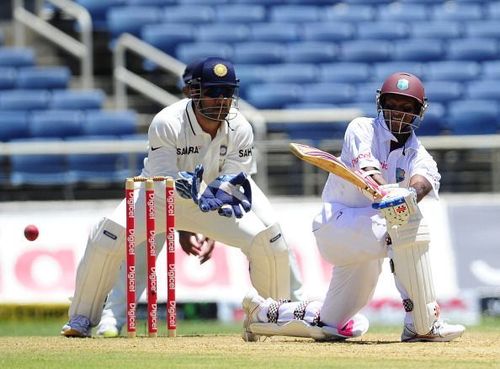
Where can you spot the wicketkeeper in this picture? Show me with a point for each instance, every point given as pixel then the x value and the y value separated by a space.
pixel 206 143
pixel 355 234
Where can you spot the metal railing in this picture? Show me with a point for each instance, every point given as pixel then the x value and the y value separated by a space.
pixel 82 49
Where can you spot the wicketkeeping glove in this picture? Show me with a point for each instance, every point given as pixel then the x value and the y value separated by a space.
pixel 223 194
pixel 184 183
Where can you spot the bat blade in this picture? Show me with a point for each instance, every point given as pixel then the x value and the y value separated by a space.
pixel 332 164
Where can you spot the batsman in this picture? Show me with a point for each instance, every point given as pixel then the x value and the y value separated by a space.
pixel 355 232
pixel 207 145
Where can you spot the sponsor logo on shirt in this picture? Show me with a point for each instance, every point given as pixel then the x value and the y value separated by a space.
pixel 365 155
pixel 188 150
pixel 245 153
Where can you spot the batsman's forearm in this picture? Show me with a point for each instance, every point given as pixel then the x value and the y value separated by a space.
pixel 421 185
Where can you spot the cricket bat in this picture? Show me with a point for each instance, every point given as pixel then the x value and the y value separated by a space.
pixel 332 164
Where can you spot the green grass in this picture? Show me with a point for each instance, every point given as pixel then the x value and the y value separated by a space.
pixel 30 344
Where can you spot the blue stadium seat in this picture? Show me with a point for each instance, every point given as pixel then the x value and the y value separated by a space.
pixel 167 36
pixel 273 95
pixel 368 2
pixel 97 168
pixel 382 70
pixel 295 13
pixel 401 10
pixel 383 30
pixel 366 92
pixel 240 13
pixel 444 91
pixel 43 77
pixel 345 72
pixel 157 2
pixel 328 31
pixel 192 2
pixel 116 123
pixel 56 123
pixel 484 89
pixel 258 53
pixel 311 52
pixel 38 169
pixel 249 74
pixel 16 57
pixel 223 32
pixel 482 29
pixel 8 78
pixel 77 99
pixel 131 19
pixel 436 30
pixel 349 13
pixel 459 71
pixel 24 99
pixel 13 125
pixel 313 105
pixel 135 161
pixel 289 73
pixel 260 2
pixel 492 10
pixel 366 51
pixel 491 70
pixel 315 131
pixel 99 8
pixel 434 122
pixel 199 50
pixel 469 117
pixel 457 11
pixel 273 32
pixel 418 50
pixel 329 93
pixel 474 49
pixel 194 14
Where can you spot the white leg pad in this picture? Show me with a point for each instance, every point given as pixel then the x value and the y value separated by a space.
pixel 269 264
pixel 412 271
pixel 356 327
pixel 98 269
pixel 114 309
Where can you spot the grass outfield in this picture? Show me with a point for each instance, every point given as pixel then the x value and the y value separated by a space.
pixel 35 344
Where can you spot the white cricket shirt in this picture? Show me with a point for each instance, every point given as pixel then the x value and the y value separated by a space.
pixel 367 144
pixel 178 143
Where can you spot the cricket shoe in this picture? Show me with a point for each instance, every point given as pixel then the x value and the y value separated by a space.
pixel 78 326
pixel 107 330
pixel 440 332
pixel 251 306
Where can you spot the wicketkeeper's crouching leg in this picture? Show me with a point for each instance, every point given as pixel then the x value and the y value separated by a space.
pixel 95 277
pixel 268 317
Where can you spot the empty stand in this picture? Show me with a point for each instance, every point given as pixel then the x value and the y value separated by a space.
pixel 258 53
pixel 330 93
pixel 365 51
pixel 13 125
pixel 43 78
pixel 469 117
pixel 16 57
pixel 328 31
pixel 24 99
pixel 311 52
pixel 345 72
pixel 452 71
pixel 295 13
pixel 117 123
pixel 56 123
pixel 77 99
pixel 419 50
pixel 273 95
pixel 199 50
pixel 474 49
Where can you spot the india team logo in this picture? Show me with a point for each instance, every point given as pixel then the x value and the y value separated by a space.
pixel 220 70
pixel 403 84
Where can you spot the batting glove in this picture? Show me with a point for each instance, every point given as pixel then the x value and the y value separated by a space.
pixel 398 206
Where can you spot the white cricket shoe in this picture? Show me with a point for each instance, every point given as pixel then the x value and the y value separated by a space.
pixel 251 306
pixel 440 332
pixel 107 330
pixel 78 326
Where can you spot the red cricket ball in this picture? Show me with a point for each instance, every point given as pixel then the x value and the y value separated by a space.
pixel 31 232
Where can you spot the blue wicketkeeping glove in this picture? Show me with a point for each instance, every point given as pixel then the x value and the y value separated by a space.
pixel 223 194
pixel 183 184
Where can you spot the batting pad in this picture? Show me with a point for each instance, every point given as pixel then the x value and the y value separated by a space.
pixel 269 264
pixel 413 275
pixel 358 326
pixel 98 270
